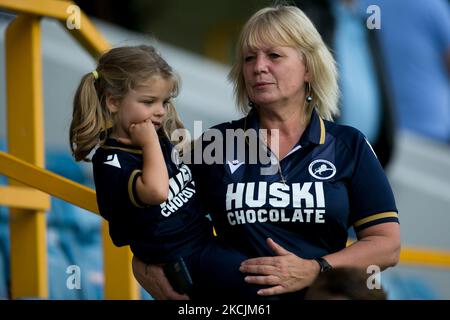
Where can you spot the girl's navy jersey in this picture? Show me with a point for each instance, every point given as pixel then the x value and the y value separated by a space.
pixel 332 181
pixel 155 233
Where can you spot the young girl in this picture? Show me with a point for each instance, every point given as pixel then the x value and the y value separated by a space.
pixel 125 108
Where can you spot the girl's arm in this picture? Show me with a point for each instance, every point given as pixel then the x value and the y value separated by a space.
pixel 153 185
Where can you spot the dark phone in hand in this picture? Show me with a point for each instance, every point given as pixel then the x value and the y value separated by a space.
pixel 178 275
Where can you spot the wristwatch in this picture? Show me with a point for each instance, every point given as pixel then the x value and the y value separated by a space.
pixel 323 264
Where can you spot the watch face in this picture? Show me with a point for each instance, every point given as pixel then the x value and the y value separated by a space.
pixel 326 267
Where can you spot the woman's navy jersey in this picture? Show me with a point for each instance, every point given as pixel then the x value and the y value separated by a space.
pixel 333 181
pixel 155 233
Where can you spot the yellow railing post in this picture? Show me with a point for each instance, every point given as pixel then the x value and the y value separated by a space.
pixel 25 140
pixel 120 282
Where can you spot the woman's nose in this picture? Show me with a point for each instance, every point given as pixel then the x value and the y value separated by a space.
pixel 260 64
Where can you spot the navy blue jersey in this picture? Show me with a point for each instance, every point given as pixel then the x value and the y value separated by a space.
pixel 330 181
pixel 155 233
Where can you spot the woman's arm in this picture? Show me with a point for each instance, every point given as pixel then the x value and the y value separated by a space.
pixel 377 245
pixel 154 281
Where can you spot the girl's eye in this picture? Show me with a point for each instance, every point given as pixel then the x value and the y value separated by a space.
pixel 148 102
pixel 166 104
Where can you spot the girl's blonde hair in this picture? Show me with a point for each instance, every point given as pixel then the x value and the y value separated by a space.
pixel 119 70
pixel 289 26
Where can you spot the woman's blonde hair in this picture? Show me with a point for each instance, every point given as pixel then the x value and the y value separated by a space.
pixel 289 26
pixel 119 70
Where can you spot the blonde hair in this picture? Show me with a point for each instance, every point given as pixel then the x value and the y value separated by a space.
pixel 119 70
pixel 289 26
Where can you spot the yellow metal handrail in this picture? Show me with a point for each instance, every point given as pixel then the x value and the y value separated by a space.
pixel 48 182
pixel 87 35
pixel 26 147
pixel 25 161
pixel 425 257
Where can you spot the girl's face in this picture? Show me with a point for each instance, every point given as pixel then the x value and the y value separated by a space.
pixel 147 101
pixel 274 75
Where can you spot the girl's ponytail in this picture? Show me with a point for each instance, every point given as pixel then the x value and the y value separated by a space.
pixel 90 119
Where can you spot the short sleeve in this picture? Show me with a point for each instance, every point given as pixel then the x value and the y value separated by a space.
pixel 118 182
pixel 115 177
pixel 371 198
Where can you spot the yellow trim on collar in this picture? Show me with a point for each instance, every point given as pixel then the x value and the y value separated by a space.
pixel 390 214
pixel 123 149
pixel 322 131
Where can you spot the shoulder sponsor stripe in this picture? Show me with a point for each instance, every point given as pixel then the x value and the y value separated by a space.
pixel 391 214
pixel 130 188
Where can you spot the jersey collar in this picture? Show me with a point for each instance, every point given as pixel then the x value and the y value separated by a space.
pixel 315 131
pixel 114 144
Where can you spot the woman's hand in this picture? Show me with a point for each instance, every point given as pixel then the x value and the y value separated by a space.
pixel 154 281
pixel 286 272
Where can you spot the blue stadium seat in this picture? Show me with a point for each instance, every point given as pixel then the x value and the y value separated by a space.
pixel 4 241
pixel 4 251
pixel 399 286
pixel 57 267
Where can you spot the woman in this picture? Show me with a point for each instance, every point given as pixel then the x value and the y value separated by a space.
pixel 293 221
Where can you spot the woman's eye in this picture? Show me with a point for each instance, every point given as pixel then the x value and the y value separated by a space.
pixel 249 58
pixel 274 55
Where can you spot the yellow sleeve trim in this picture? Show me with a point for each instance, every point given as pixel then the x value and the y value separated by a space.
pixel 391 214
pixel 130 188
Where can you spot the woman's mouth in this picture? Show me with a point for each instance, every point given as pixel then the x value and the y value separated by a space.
pixel 260 85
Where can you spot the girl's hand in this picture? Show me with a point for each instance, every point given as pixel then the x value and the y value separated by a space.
pixel 286 272
pixel 141 134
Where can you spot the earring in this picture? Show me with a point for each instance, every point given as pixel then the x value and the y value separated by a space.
pixel 251 104
pixel 308 95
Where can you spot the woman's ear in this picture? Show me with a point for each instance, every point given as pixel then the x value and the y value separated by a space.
pixel 308 76
pixel 112 103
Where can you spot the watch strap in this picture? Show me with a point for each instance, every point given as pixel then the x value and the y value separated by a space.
pixel 324 265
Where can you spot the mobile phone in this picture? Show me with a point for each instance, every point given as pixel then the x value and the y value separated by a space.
pixel 178 275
